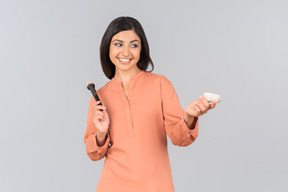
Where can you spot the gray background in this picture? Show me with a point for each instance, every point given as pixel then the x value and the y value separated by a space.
pixel 238 49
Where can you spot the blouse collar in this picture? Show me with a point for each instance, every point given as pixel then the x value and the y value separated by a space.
pixel 134 77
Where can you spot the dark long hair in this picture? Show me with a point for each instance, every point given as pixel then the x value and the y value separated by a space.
pixel 123 24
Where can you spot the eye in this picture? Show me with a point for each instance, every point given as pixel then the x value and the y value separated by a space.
pixel 134 45
pixel 118 44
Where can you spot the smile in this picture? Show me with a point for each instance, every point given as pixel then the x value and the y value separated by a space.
pixel 124 60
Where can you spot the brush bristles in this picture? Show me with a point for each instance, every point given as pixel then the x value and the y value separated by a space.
pixel 88 83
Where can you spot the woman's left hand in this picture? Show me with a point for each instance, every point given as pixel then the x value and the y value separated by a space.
pixel 199 107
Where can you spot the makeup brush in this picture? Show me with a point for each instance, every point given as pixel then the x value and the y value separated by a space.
pixel 91 86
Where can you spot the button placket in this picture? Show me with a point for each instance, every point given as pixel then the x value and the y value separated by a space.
pixel 129 120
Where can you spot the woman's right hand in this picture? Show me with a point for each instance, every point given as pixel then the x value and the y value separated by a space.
pixel 100 119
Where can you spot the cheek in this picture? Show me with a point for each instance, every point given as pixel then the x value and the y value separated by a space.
pixel 136 53
pixel 112 54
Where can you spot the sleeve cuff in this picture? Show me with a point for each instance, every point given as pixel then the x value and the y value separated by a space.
pixel 192 134
pixel 92 146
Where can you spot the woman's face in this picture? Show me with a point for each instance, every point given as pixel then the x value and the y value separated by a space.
pixel 125 48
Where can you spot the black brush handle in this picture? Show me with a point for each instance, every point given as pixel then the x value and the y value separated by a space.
pixel 91 87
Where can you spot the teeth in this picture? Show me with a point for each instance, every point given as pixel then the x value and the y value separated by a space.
pixel 125 60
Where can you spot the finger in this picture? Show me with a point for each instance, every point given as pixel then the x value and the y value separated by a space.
pixel 100 113
pixel 204 101
pixel 99 107
pixel 197 111
pixel 96 103
pixel 213 105
pixel 99 118
pixel 202 108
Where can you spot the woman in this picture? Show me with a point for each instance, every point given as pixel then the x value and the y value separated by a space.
pixel 139 109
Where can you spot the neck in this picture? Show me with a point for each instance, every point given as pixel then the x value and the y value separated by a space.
pixel 125 76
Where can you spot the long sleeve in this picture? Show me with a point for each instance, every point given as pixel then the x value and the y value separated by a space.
pixel 93 150
pixel 173 115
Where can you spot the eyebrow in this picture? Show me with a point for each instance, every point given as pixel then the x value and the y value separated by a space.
pixel 123 41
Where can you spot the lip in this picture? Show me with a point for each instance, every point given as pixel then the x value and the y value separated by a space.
pixel 124 62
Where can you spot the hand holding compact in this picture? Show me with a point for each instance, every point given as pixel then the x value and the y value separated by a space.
pixel 199 107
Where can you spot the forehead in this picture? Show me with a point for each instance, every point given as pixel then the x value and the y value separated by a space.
pixel 126 36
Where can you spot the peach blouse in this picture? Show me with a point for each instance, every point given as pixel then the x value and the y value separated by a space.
pixel 136 147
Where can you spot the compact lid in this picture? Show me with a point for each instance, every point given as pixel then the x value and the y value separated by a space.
pixel 212 96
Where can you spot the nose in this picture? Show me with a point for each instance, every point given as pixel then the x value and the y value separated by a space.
pixel 125 51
